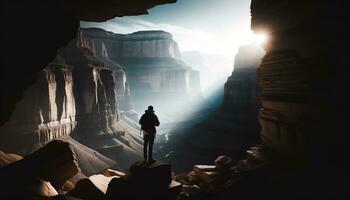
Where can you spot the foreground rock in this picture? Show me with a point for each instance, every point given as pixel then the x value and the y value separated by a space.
pixel 8 158
pixel 146 181
pixel 39 174
pixel 92 188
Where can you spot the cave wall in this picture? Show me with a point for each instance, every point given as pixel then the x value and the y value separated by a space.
pixel 305 109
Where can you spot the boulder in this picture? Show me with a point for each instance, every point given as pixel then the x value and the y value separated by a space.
pixel 111 172
pixel 146 181
pixel 209 174
pixel 157 172
pixel 43 188
pixel 54 163
pixel 92 188
pixel 193 178
pixel 8 158
pixel 120 188
pixel 223 163
pixel 174 188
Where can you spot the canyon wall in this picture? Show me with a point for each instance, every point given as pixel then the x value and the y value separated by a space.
pixel 75 94
pixel 46 112
pixel 241 89
pixel 152 63
pixel 94 90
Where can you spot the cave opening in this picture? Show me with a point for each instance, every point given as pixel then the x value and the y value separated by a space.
pixel 63 90
pixel 196 70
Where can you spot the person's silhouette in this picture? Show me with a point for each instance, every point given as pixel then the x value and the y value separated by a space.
pixel 148 123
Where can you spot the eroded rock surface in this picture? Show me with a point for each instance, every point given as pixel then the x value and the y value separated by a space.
pixel 46 112
pixel 77 92
pixel 152 63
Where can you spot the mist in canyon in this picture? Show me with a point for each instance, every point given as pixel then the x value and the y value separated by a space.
pixel 250 95
pixel 197 71
pixel 193 71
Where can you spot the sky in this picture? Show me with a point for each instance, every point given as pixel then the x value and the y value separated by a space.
pixel 208 26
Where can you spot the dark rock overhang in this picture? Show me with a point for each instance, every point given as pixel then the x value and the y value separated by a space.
pixel 33 31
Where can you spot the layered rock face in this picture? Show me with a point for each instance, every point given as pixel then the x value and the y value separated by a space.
pixel 241 90
pixel 152 63
pixel 303 77
pixel 46 112
pixel 94 90
pixel 53 107
pixel 99 51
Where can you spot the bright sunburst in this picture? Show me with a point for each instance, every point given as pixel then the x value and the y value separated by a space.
pixel 261 38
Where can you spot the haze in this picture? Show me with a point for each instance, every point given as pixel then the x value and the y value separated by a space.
pixel 196 25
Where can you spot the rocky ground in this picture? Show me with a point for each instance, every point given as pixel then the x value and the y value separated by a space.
pixel 53 172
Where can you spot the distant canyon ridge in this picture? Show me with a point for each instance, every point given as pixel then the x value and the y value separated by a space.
pixel 152 61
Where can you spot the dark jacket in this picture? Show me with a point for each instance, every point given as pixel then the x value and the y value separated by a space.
pixel 149 121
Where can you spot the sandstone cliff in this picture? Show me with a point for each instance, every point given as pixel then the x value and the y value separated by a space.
pixel 97 90
pixel 76 95
pixel 241 90
pixel 46 112
pixel 152 62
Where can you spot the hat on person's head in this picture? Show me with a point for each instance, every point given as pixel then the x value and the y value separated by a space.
pixel 150 108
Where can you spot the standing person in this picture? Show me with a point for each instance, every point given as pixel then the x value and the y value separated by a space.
pixel 148 123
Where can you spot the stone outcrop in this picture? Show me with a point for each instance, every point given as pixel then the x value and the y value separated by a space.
pixel 241 89
pixel 152 62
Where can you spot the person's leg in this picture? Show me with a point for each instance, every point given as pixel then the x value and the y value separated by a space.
pixel 150 149
pixel 145 144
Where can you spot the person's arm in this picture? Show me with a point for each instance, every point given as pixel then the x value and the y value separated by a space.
pixel 156 123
